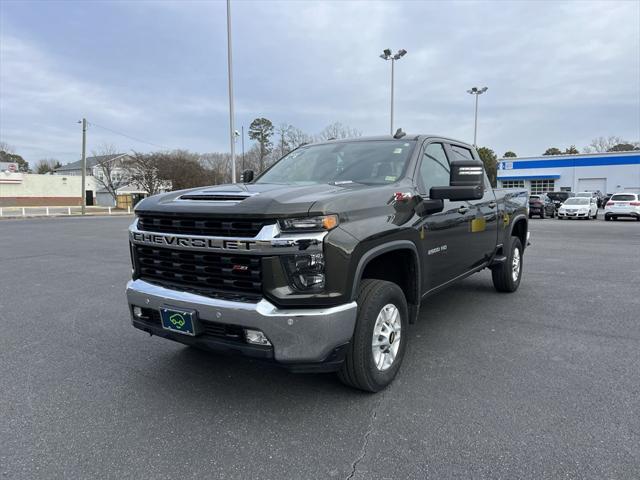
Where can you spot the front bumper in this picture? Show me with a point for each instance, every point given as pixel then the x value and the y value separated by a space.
pixel 573 215
pixel 298 336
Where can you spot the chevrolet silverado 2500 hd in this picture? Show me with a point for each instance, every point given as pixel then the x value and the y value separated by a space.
pixel 322 262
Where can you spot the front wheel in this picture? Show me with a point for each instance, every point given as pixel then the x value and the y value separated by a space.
pixel 506 276
pixel 380 337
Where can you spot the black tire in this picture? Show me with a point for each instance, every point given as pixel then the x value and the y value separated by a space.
pixel 359 369
pixel 542 214
pixel 553 213
pixel 607 218
pixel 502 274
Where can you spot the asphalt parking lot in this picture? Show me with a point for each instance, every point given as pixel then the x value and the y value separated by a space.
pixel 543 383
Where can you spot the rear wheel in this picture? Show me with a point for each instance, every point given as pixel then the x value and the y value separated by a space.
pixel 608 218
pixel 506 276
pixel 380 337
pixel 542 213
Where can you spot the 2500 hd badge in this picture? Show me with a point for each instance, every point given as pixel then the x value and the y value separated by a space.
pixel 321 263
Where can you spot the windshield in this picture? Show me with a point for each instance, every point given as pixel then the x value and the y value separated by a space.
pixel 369 162
pixel 577 201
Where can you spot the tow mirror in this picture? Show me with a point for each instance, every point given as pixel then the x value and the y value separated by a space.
pixel 247 176
pixel 466 182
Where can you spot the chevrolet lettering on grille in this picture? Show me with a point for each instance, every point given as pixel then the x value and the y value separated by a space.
pixel 191 242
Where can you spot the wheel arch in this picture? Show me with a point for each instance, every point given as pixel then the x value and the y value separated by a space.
pixel 519 228
pixel 387 262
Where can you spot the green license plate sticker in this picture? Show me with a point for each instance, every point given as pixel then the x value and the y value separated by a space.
pixel 180 321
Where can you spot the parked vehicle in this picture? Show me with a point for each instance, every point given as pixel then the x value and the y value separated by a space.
pixel 623 205
pixel 541 205
pixel 558 198
pixel 321 263
pixel 579 207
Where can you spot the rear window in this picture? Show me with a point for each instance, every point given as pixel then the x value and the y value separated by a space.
pixel 534 197
pixel 623 198
pixel 461 153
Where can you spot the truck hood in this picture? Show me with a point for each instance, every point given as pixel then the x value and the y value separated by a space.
pixel 260 200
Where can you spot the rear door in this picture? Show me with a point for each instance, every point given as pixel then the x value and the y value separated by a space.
pixel 481 217
pixel 443 235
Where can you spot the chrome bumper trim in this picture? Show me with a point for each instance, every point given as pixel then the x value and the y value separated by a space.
pixel 297 335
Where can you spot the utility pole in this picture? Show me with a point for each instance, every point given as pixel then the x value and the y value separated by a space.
pixel 231 112
pixel 477 92
pixel 84 165
pixel 387 55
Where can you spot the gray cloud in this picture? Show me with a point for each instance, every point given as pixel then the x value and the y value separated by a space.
pixel 558 73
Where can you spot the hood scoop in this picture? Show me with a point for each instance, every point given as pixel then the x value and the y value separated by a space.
pixel 217 196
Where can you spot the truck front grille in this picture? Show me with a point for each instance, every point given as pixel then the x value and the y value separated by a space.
pixel 211 227
pixel 206 273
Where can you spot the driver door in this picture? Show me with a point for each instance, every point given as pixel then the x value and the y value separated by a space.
pixel 443 235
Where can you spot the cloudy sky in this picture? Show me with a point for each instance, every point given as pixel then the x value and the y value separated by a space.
pixel 559 73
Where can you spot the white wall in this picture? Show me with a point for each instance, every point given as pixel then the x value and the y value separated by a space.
pixel 43 189
pixel 617 177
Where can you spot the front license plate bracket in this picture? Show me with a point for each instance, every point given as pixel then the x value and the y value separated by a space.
pixel 179 320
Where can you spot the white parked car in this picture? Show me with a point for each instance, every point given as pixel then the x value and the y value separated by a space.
pixel 623 205
pixel 578 207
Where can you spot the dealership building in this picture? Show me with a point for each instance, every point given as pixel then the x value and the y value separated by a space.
pixel 607 172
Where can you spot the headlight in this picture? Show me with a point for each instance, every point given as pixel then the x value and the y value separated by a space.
pixel 321 222
pixel 306 272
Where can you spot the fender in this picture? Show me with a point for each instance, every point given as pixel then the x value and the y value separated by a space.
pixel 514 221
pixel 385 248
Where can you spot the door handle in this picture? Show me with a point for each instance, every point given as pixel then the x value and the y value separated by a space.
pixel 492 204
pixel 463 210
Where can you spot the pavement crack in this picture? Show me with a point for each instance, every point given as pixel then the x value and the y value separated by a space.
pixel 365 440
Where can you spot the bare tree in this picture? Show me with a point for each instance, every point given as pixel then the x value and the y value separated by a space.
pixel 47 165
pixel 338 130
pixel 218 165
pixel 184 170
pixel 143 170
pixel 283 146
pixel 110 173
pixel 602 144
pixel 296 138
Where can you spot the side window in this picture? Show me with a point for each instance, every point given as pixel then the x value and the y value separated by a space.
pixel 434 168
pixel 461 153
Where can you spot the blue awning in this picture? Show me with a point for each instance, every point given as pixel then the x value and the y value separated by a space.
pixel 530 177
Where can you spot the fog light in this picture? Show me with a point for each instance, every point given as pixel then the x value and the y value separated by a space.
pixel 256 337
pixel 137 312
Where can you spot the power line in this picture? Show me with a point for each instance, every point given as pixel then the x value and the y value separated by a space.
pixel 129 136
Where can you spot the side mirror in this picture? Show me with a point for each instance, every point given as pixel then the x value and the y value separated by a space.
pixel 247 176
pixel 466 182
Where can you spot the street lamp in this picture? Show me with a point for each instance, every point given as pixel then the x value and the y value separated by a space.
pixel 231 109
pixel 477 92
pixel 387 55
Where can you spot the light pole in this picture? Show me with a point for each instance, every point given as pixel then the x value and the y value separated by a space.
pixel 231 112
pixel 387 55
pixel 84 163
pixel 477 92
